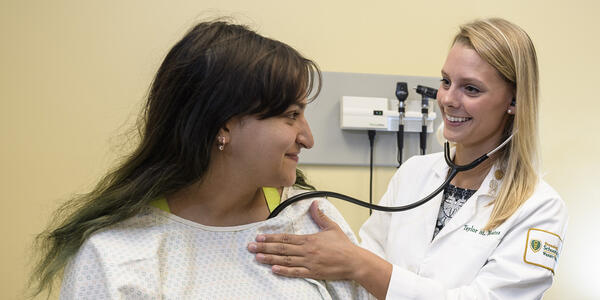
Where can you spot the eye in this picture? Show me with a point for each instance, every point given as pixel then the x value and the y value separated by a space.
pixel 472 90
pixel 292 114
pixel 445 83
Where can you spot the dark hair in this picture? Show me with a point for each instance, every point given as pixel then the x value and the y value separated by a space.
pixel 217 71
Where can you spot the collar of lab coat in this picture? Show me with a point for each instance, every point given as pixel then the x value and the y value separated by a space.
pixel 487 185
pixel 482 196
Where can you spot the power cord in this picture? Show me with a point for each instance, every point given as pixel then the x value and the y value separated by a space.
pixel 371 134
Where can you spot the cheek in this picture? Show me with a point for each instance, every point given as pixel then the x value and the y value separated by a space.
pixel 489 117
pixel 441 94
pixel 271 149
pixel 439 104
pixel 497 110
pixel 283 138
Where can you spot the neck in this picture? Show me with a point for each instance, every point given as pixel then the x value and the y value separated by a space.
pixel 219 200
pixel 473 178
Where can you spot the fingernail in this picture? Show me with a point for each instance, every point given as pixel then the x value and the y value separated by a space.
pixel 252 246
pixel 260 257
pixel 260 238
pixel 275 269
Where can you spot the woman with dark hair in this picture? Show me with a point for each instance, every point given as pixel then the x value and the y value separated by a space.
pixel 224 119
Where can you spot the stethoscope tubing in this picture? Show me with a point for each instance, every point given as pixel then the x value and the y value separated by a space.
pixel 315 194
pixel 454 169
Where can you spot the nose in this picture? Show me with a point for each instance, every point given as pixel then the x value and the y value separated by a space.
pixel 305 137
pixel 446 97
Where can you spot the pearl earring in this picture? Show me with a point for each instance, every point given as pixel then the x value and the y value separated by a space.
pixel 221 140
pixel 510 111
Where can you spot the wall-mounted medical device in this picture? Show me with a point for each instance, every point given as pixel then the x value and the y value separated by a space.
pixel 401 95
pixel 371 113
pixel 378 114
pixel 426 94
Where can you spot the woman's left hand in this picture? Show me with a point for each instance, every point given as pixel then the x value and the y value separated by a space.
pixel 327 255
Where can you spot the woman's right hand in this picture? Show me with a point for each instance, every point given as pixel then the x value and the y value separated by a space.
pixel 326 255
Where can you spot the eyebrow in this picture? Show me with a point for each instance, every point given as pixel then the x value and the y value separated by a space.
pixel 466 79
pixel 301 105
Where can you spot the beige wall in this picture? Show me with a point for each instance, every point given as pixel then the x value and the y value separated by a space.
pixel 73 73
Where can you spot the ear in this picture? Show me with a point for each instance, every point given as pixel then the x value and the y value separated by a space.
pixel 512 108
pixel 223 135
pixel 228 129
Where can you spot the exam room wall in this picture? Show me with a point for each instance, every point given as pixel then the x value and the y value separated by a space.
pixel 75 72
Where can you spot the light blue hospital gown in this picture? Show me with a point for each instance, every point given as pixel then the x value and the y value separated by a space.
pixel 157 255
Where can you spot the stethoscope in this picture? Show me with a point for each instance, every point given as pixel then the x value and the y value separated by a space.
pixel 454 169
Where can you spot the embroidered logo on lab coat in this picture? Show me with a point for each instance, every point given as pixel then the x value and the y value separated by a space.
pixel 542 248
pixel 535 245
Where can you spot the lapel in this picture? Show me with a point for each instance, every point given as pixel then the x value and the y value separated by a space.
pixel 432 208
pixel 423 218
pixel 486 192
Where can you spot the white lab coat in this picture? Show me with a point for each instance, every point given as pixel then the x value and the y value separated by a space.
pixel 515 261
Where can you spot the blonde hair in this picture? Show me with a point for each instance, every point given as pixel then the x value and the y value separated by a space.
pixel 510 51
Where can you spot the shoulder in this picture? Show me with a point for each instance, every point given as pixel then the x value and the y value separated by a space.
pixel 299 213
pixel 421 161
pixel 540 223
pixel 123 254
pixel 301 208
pixel 424 164
pixel 132 239
pixel 546 206
pixel 418 168
pixel 543 216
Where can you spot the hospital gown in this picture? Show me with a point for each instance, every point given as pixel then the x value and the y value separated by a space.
pixel 157 255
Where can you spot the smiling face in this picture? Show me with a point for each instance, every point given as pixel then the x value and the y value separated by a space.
pixel 474 100
pixel 268 149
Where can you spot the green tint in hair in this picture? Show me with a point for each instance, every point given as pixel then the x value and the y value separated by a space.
pixel 302 182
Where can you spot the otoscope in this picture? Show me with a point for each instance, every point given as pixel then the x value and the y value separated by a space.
pixel 401 94
pixel 426 94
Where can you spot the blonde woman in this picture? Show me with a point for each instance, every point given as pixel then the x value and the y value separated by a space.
pixel 497 230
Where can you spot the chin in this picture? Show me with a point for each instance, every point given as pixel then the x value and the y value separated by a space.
pixel 290 182
pixel 290 179
pixel 283 181
pixel 449 138
pixel 452 138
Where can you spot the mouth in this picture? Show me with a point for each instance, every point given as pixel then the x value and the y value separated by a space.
pixel 292 156
pixel 455 120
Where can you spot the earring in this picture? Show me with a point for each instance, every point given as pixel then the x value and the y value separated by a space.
pixel 510 111
pixel 221 140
